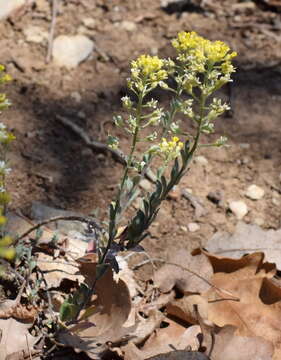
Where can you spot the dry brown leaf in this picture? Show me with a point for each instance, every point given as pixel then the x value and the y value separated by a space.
pixel 228 346
pixel 11 308
pixel 14 337
pixel 259 309
pixel 113 307
pixel 184 308
pixel 173 336
pixel 170 276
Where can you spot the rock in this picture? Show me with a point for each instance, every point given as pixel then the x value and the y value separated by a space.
pixel 215 197
pixel 183 228
pixel 275 201
pixel 239 209
pixel 35 34
pixel 145 185
pixel 40 212
pixel 129 26
pixel 9 6
pixel 201 160
pixel 76 96
pixel 192 227
pixel 254 192
pixel 70 51
pixel 90 23
pixel 245 146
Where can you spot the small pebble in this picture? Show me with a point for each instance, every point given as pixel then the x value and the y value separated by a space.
pixel 254 192
pixel 192 227
pixel 238 208
pixel 184 228
pixel 201 160
pixel 90 23
pixel 35 34
pixel 275 201
pixel 129 26
pixel 215 197
pixel 244 146
pixel 76 96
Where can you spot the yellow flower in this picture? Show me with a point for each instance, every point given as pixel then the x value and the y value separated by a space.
pixel 170 149
pixel 150 68
pixel 200 50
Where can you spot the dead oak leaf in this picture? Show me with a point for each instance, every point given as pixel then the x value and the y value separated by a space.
pixel 112 307
pixel 258 310
pixel 170 276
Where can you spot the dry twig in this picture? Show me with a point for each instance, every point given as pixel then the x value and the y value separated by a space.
pixel 52 30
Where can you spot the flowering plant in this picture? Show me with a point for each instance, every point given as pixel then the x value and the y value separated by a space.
pixel 200 68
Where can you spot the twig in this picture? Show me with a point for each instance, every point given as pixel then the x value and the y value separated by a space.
pixel 94 145
pixel 99 146
pixel 85 220
pixel 52 30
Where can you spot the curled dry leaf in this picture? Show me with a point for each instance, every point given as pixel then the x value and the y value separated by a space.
pixel 112 308
pixel 164 340
pixel 258 310
pixel 170 276
pixel 11 308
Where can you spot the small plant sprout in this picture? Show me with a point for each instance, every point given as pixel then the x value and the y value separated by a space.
pixel 201 68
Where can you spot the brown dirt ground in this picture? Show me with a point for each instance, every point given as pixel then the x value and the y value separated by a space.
pixel 51 164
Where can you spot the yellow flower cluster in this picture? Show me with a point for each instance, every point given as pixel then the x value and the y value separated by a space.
pixel 191 46
pixel 149 68
pixel 170 149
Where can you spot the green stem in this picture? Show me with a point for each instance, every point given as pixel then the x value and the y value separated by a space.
pixel 125 175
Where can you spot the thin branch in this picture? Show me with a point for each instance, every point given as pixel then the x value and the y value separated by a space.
pixel 99 146
pixel 94 145
pixel 52 30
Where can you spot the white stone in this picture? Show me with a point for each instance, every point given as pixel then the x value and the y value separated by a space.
pixel 254 192
pixel 35 34
pixel 275 201
pixel 184 228
pixel 145 185
pixel 76 96
pixel 192 227
pixel 70 51
pixel 129 26
pixel 201 160
pixel 89 22
pixel 7 7
pixel 239 209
